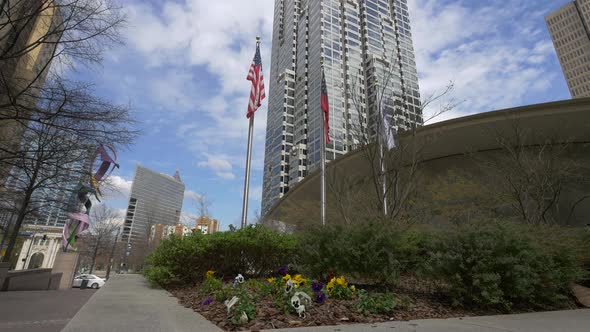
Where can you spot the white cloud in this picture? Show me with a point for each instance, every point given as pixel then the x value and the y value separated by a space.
pixel 217 37
pixel 220 165
pixel 495 55
pixel 191 195
pixel 117 187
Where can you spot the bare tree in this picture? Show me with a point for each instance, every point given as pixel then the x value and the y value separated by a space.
pixel 104 223
pixel 202 204
pixel 60 120
pixel 393 174
pixel 530 174
pixel 35 34
pixel 56 150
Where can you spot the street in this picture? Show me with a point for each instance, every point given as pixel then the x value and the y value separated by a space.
pixel 46 311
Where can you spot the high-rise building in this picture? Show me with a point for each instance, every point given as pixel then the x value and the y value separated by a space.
pixel 365 45
pixel 569 27
pixel 207 225
pixel 56 187
pixel 24 64
pixel 155 198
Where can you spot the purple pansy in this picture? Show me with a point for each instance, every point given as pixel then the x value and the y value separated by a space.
pixel 283 270
pixel 208 301
pixel 317 286
pixel 320 297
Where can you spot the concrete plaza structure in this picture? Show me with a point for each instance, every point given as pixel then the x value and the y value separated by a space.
pixel 369 64
pixel 569 27
pixel 455 145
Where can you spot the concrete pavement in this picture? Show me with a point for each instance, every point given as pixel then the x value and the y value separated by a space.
pixel 126 303
pixel 47 311
pixel 557 321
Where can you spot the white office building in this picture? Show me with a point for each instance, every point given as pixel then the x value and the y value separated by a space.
pixel 155 198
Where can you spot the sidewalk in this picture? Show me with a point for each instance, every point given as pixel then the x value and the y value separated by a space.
pixel 127 304
pixel 557 321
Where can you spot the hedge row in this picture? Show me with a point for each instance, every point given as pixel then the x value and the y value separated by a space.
pixel 489 263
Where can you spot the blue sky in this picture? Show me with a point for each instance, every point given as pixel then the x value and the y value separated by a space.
pixel 184 64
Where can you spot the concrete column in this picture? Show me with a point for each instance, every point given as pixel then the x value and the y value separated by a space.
pixel 20 265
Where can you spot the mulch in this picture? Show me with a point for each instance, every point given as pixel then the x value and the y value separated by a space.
pixel 425 304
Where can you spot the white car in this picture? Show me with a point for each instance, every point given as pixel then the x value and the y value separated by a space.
pixel 93 281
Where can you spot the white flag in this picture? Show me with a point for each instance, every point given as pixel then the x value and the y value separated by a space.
pixel 388 131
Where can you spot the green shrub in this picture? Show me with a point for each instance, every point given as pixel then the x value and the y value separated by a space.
pixel 223 294
pixel 502 264
pixel 377 304
pixel 211 285
pixel 374 250
pixel 159 276
pixel 254 251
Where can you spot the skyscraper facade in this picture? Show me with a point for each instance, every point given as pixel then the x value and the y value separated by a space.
pixel 569 27
pixel 155 198
pixel 369 63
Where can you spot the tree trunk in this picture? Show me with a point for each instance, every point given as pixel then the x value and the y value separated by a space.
pixel 94 254
pixel 17 225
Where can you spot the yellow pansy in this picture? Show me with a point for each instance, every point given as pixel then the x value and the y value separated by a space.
pixel 342 281
pixel 210 274
pixel 271 280
pixel 287 277
pixel 331 284
pixel 298 280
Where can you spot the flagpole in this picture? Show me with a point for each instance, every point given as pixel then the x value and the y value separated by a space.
pixel 384 179
pixel 248 162
pixel 323 158
pixel 247 179
pixel 381 159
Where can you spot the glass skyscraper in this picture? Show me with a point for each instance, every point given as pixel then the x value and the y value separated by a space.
pixel 369 64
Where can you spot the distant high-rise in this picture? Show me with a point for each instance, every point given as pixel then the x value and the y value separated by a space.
pixel 569 27
pixel 155 198
pixel 364 45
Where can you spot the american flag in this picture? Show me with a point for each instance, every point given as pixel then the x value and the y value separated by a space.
pixel 325 108
pixel 255 76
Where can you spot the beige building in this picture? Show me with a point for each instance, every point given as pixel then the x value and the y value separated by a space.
pixel 40 247
pixel 206 225
pixel 160 232
pixel 569 27
pixel 27 47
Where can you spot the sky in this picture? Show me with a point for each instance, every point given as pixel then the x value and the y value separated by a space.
pixel 183 71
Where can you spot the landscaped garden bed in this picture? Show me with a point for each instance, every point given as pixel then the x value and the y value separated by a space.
pixel 272 310
pixel 258 279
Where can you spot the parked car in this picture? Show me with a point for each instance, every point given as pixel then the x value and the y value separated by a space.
pixel 93 281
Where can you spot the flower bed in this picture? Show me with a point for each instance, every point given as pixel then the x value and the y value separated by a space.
pixel 267 303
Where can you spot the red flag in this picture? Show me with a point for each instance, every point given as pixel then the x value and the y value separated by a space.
pixel 255 76
pixel 325 108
